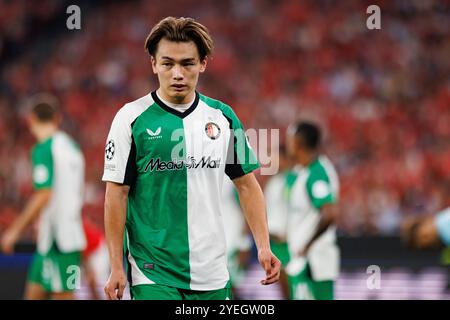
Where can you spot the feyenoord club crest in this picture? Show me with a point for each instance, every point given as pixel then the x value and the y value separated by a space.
pixel 212 130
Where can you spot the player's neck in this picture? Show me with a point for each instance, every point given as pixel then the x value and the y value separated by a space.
pixel 189 98
pixel 45 131
pixel 307 159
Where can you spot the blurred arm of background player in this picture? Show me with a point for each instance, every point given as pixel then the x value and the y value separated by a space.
pixel 431 231
pixel 115 215
pixel 32 209
pixel 252 203
pixel 328 216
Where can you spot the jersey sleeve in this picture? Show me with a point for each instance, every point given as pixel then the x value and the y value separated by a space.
pixel 319 189
pixel 120 152
pixel 240 157
pixel 42 166
pixel 442 222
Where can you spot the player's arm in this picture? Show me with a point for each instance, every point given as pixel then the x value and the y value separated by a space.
pixel 115 216
pixel 42 168
pixel 253 206
pixel 320 193
pixel 328 215
pixel 119 174
pixel 32 209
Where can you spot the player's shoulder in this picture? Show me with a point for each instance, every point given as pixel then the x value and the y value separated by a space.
pixel 42 146
pixel 321 169
pixel 217 104
pixel 131 110
pixel 62 139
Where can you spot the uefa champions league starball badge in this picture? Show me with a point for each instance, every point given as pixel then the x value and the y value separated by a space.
pixel 109 150
pixel 212 130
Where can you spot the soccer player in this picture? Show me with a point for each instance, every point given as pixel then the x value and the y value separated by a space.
pixel 166 156
pixel 276 196
pixel 311 233
pixel 427 232
pixel 58 179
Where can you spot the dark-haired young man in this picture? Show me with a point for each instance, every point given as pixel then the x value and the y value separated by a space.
pixel 166 156
pixel 311 234
pixel 58 180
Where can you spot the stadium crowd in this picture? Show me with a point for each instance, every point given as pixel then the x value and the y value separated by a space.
pixel 382 96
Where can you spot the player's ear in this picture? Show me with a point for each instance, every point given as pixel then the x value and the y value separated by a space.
pixel 203 64
pixel 153 62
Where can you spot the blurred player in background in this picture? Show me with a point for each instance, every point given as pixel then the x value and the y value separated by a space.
pixel 58 180
pixel 237 236
pixel 432 231
pixel 429 232
pixel 311 235
pixel 165 160
pixel 276 196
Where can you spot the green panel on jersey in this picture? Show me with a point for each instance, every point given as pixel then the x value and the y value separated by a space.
pixel 156 219
pixel 246 159
pixel 42 161
pixel 318 185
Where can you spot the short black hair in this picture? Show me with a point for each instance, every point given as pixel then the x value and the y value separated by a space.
pixel 309 133
pixel 44 107
pixel 180 30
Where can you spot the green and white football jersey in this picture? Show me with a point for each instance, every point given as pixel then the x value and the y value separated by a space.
pixel 276 194
pixel 315 186
pixel 58 164
pixel 174 164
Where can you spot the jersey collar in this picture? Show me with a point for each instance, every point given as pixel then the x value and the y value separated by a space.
pixel 172 110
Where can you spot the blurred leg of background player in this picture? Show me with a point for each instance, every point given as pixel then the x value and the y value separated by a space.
pixel 34 291
pixel 95 261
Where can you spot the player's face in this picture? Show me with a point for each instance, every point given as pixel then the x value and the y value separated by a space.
pixel 32 123
pixel 291 146
pixel 178 66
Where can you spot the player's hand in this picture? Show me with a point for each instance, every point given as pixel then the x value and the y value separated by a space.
pixel 115 285
pixel 271 265
pixel 8 241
